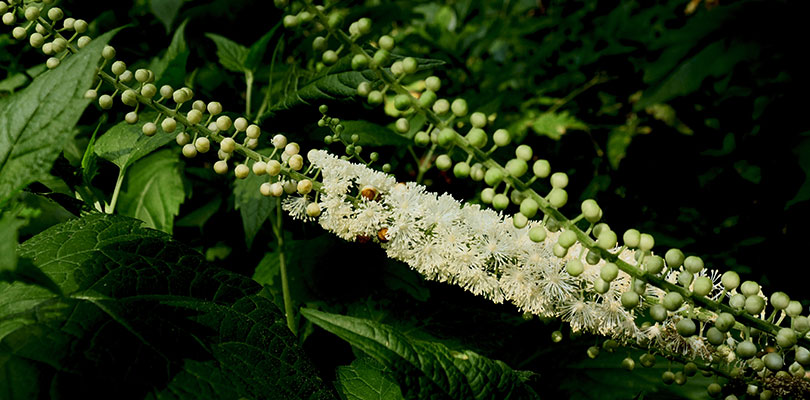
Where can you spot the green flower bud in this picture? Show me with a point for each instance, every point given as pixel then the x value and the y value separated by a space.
pixel 516 167
pixel 693 264
pixel 672 301
pixel 477 138
pixel 730 280
pixel 461 170
pixel 715 337
pixel 630 299
pixel 478 119
pixel 686 327
pixel 557 197
pixel 501 137
pixel 606 239
pixel 537 234
pixel 541 168
pixel 674 257
pixel 559 180
pixel 500 201
pixel 444 162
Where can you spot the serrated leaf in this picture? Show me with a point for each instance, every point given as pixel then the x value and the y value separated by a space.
pixel 124 144
pixel 366 379
pixel 554 125
pixel 425 369
pixel 36 122
pixel 254 208
pixel 231 55
pixel 170 69
pixel 337 83
pixel 143 317
pixel 165 11
pixel 154 191
pixel 257 50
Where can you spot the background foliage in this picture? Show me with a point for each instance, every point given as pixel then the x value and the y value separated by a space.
pixel 685 125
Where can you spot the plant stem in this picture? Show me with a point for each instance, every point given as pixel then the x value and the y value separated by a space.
pixel 289 311
pixel 249 91
pixel 111 208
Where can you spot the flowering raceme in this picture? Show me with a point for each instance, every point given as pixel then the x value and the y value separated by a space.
pixel 483 252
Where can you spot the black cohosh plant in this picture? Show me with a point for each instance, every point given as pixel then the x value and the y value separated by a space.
pixel 613 284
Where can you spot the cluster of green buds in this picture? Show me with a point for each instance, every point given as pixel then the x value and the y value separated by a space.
pixel 40 23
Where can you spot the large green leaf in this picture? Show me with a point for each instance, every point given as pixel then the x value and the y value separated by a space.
pixel 154 190
pixel 124 144
pixel 231 55
pixel 165 11
pixel 36 122
pixel 142 316
pixel 366 379
pixel 426 369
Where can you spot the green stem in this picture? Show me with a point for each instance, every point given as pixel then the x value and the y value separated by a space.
pixel 111 208
pixel 289 311
pixel 249 91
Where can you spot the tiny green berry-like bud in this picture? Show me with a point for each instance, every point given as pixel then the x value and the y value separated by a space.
pixel 600 286
pixel 55 14
pixel 276 189
pixel 213 107
pixel 108 52
pixel 189 151
pixel 730 280
pixel 402 102
pixel 194 117
pixel 780 300
pixel 749 288
pixel 567 239
pixel 292 148
pixel 31 13
pixel 313 210
pixel 386 42
pixel 477 137
pixel 149 90
pixel 523 152
pixel 166 91
pixel 557 197
pixel 105 101
pixel 36 40
pixel 658 312
pixel 703 286
pixel 131 117
pixel 487 195
pixel 291 21
pixel 363 88
pixel 559 251
pixel 529 207
pixel 126 76
pixel 304 186
pixel 129 97
pixel 672 301
pixel 168 125
pixel 319 43
pixel 402 125
pixel 500 201
pixel 609 272
pixel 253 131
pixel 18 32
pixel 182 139
pixel 444 162
pixel 754 305
pixel 296 162
pixel 241 124
pixel 359 61
pixel 80 26
pixel 83 41
pixel 433 83
pixel 478 119
pixel 493 176
pixel 427 99
pixel 541 168
pixel 675 258
pixel 141 75
pixel 686 327
pixel 519 220
pixel 693 264
pixel 273 168
pixel 241 171
pixel 446 137
pixel 459 107
pixel 149 128
pixel 329 57
pixel 396 68
pixel 537 234
pixel 52 63
pixel 202 144
pixel 364 26
pixel 266 189
pixel 632 238
pixel 630 300
pixel 409 65
pixel 516 167
pixel 221 167
pixel 441 106
pixel 794 308
pixel 227 145
pixel 9 18
pixel 118 67
pixel 375 98
pixel 461 170
pixel 572 267
pixel 58 45
pixel 501 137
pixel 773 361
pixel 224 123
pixel 559 180
pixel 647 242
pixel 477 172
pixel 607 239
